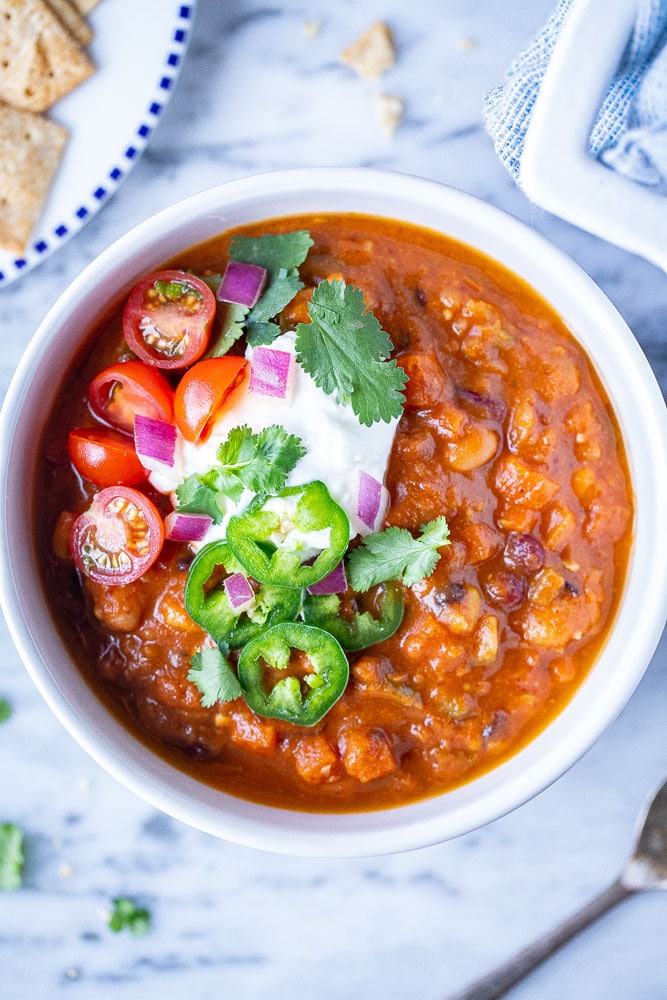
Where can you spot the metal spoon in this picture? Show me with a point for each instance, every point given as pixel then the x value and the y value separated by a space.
pixel 645 869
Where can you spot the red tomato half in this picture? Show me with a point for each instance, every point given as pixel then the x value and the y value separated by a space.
pixel 205 391
pixel 128 388
pixel 118 538
pixel 168 318
pixel 105 457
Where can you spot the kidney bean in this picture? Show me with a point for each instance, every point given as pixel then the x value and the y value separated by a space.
pixel 523 551
pixel 450 593
pixel 505 589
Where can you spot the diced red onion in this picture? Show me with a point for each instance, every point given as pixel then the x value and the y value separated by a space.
pixel 270 372
pixel 240 593
pixel 154 440
pixel 334 583
pixel 372 502
pixel 186 527
pixel 242 283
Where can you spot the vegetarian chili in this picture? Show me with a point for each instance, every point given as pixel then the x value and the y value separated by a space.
pixel 374 639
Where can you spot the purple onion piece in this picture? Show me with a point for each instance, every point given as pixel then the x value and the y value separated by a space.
pixel 239 592
pixel 186 527
pixel 372 501
pixel 154 440
pixel 270 372
pixel 334 583
pixel 242 283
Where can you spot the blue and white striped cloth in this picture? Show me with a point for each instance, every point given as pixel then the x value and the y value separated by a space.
pixel 630 134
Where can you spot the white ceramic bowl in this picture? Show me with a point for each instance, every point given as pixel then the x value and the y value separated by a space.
pixel 623 370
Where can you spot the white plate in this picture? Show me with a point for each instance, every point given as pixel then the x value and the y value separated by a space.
pixel 137 50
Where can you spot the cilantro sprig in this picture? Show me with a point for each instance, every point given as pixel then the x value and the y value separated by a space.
pixel 346 352
pixel 280 254
pixel 11 857
pixel 246 461
pixel 212 675
pixel 395 554
pixel 126 914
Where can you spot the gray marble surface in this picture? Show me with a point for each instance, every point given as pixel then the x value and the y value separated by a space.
pixel 257 92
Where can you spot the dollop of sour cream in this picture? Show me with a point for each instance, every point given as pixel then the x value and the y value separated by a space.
pixel 337 446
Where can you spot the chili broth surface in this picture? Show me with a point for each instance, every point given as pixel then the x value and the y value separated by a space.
pixel 506 431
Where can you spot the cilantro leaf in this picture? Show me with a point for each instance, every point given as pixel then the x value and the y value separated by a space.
pixel 394 554
pixel 222 484
pixel 345 350
pixel 273 251
pixel 260 461
pixel 262 333
pixel 230 328
pixel 246 461
pixel 11 857
pixel 194 497
pixel 5 709
pixel 126 914
pixel 213 677
pixel 280 254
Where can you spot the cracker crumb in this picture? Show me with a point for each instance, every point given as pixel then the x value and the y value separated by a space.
pixel 311 29
pixel 389 111
pixel 373 53
pixel 65 871
pixel 466 43
pixel 73 972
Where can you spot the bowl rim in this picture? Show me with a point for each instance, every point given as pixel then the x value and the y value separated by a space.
pixel 623 368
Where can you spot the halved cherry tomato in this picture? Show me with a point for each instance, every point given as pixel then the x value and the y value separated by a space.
pixel 128 388
pixel 118 538
pixel 168 318
pixel 210 387
pixel 105 457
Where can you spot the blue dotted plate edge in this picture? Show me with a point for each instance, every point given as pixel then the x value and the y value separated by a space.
pixel 42 247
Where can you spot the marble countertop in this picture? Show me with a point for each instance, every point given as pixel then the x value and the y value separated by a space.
pixel 260 91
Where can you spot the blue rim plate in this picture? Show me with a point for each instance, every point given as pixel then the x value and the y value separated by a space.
pixel 138 50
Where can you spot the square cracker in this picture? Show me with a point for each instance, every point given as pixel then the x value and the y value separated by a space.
pixel 32 147
pixel 72 18
pixel 40 62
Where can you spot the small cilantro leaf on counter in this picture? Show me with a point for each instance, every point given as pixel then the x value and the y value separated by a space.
pixel 11 857
pixel 126 914
pixel 346 351
pixel 394 554
pixel 213 677
pixel 5 709
pixel 280 254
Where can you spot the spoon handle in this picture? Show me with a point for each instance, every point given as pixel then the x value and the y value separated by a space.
pixel 496 983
